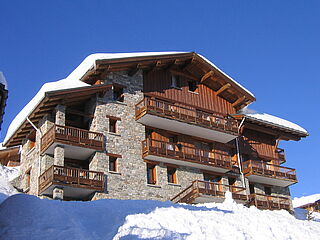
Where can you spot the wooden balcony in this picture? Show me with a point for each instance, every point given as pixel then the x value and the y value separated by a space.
pixel 178 154
pixel 82 143
pixel 262 201
pixel 77 183
pixel 204 191
pixel 182 119
pixel 262 172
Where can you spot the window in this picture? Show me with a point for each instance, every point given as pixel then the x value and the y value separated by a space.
pixel 118 94
pixel 172 175
pixel 113 164
pixel 211 178
pixel 151 174
pixel 175 81
pixel 267 190
pixel 112 125
pixel 251 188
pixel 192 86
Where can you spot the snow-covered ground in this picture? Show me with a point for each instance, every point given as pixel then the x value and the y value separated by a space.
pixel 7 174
pixel 28 217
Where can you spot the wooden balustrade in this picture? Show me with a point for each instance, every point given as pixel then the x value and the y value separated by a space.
pixel 60 175
pixel 72 136
pixel 200 187
pixel 251 167
pixel 262 201
pixel 185 153
pixel 186 114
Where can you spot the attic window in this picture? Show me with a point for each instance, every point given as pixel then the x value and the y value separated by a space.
pixel 118 94
pixel 192 86
pixel 175 81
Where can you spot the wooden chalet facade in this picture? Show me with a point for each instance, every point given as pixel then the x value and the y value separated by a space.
pixel 153 126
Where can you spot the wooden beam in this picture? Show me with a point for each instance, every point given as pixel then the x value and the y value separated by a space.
pixel 223 88
pixel 79 113
pixel 175 72
pixel 187 64
pixel 105 72
pixel 206 76
pixel 134 70
pixel 238 101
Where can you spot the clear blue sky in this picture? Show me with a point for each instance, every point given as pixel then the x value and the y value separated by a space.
pixel 270 47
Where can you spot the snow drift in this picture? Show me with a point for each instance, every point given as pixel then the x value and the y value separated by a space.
pixel 28 217
pixel 7 174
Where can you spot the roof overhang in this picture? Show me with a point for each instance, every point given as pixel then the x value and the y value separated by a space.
pixel 49 102
pixel 279 131
pixel 190 63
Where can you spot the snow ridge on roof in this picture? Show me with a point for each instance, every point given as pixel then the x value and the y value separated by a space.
pixel 276 121
pixel 3 80
pixel 300 201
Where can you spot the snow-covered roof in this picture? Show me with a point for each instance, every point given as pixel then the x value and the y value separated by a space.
pixel 3 80
pixel 301 201
pixel 67 83
pixel 89 62
pixel 73 81
pixel 276 121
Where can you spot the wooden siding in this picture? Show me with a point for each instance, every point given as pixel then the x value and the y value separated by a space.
pixel 158 84
pixel 259 145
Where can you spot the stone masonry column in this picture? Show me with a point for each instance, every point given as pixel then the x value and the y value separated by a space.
pixel 58 156
pixel 61 115
pixel 58 160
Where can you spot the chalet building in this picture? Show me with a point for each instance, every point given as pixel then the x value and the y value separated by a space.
pixel 162 126
pixel 312 207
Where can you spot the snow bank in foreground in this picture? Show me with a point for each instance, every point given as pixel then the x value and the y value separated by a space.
pixel 28 217
pixel 6 175
pixel 300 201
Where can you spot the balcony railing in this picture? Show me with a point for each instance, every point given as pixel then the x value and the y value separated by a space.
pixel 72 136
pixel 262 201
pixel 268 170
pixel 67 176
pixel 198 188
pixel 185 153
pixel 186 114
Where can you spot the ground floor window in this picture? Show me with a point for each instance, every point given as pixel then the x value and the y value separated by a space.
pixel 113 164
pixel 172 175
pixel 151 174
pixel 267 190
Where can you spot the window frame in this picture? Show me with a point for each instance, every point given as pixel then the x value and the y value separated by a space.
pixel 153 180
pixel 173 175
pixel 115 164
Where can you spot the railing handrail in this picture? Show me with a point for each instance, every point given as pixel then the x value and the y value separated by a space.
pixel 268 196
pixel 78 129
pixel 77 169
pixel 250 163
pixel 195 185
pixel 185 107
pixel 185 146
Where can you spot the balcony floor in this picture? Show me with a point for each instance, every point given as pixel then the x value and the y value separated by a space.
pixel 70 191
pixel 186 163
pixel 270 180
pixel 186 128
pixel 70 151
